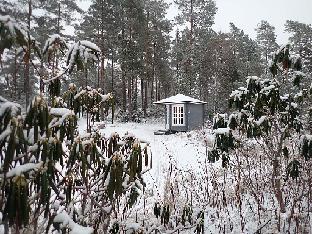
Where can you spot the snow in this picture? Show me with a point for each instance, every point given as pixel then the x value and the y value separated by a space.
pixel 60 112
pixel 294 105
pixel 5 104
pixel 267 89
pixel 9 22
pixel 237 94
pixel 90 45
pixel 183 148
pixel 186 153
pixel 133 226
pixel 249 78
pixel 55 77
pixel 285 97
pixel 13 26
pixel 38 12
pixel 85 49
pixel 73 50
pixel 179 98
pixel 50 41
pixel 80 93
pixel 261 120
pixel 106 96
pixel 17 171
pixel 65 219
pixel 222 131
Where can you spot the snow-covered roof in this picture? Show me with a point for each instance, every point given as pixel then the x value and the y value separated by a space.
pixel 179 98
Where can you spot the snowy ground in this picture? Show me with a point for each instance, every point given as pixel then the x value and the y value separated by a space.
pixel 188 152
pixel 184 148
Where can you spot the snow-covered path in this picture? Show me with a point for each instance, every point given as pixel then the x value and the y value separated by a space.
pixel 184 148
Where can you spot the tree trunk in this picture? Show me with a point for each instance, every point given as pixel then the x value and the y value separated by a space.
pixel 153 73
pixel 276 176
pixel 145 98
pixel 102 73
pixel 86 76
pixel 123 77
pixel 124 91
pixel 276 182
pixel 27 58
pixel 129 88
pixel 112 71
pixel 156 89
pixel 15 74
pixel 192 19
pixel 135 93
pixel 59 18
pixel 142 96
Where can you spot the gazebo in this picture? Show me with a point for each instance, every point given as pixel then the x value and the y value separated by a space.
pixel 183 113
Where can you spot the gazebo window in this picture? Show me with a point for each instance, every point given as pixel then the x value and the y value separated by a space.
pixel 178 115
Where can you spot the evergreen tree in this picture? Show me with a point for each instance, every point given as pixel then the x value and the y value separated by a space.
pixel 57 15
pixel 246 52
pixel 198 16
pixel 134 35
pixel 301 40
pixel 266 39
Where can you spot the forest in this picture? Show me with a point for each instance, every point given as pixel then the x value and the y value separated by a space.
pixel 67 72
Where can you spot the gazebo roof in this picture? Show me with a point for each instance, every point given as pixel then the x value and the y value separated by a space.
pixel 179 98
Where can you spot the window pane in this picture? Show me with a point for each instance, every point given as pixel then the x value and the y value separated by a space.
pixel 178 114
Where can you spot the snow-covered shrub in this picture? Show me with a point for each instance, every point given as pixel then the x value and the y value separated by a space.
pixel 88 101
pixel 261 138
pixel 52 174
pixel 13 33
pixel 80 54
pixel 135 116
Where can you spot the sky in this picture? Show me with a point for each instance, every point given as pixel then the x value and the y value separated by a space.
pixel 246 14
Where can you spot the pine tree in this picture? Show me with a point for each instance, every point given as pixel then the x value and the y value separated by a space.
pixel 198 17
pixel 266 39
pixel 301 40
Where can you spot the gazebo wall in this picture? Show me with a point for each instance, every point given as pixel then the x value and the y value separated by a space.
pixel 195 116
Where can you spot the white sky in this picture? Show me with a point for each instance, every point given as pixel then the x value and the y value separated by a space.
pixel 246 14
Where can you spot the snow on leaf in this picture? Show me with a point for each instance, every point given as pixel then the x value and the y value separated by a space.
pixel 75 228
pixel 53 41
pixel 222 131
pixel 5 105
pixel 80 53
pixel 23 168
pixel 90 45
pixel 261 120
pixel 60 112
